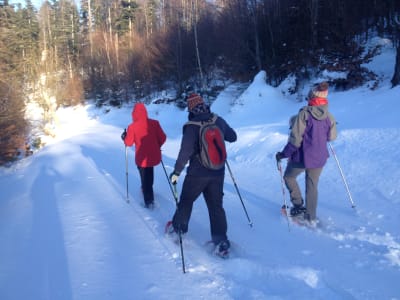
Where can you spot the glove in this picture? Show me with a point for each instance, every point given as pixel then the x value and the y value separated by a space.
pixel 279 156
pixel 174 177
pixel 123 135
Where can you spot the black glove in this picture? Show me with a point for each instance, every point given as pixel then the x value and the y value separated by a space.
pixel 279 156
pixel 173 177
pixel 123 135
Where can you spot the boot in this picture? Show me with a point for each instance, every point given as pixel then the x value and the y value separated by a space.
pixel 297 210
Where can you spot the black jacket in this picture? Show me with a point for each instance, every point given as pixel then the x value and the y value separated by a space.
pixel 190 146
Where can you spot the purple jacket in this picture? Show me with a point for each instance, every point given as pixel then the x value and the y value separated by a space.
pixel 312 128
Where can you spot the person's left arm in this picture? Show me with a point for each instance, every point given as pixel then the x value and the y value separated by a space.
pixel 130 136
pixel 229 134
pixel 188 147
pixel 333 130
pixel 161 136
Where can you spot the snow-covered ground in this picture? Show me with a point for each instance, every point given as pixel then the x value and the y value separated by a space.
pixel 67 232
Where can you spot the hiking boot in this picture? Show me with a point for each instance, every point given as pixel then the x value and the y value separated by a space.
pixel 222 249
pixel 171 232
pixel 169 228
pixel 149 205
pixel 297 210
pixel 312 223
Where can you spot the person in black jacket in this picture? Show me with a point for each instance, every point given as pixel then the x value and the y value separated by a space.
pixel 200 179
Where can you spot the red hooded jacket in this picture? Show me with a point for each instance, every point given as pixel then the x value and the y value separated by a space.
pixel 147 136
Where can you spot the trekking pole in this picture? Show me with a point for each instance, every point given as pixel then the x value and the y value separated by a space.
pixel 166 175
pixel 126 172
pixel 179 231
pixel 175 194
pixel 341 173
pixel 237 190
pixel 284 206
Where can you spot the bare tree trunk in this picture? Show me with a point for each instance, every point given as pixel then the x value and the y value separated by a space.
pixel 71 74
pixel 313 20
pixel 163 16
pixel 179 58
pixel 184 14
pixel 253 9
pixel 107 45
pixel 90 29
pixel 116 43
pixel 49 38
pixel 195 19
pixel 73 45
pixel 130 30
pixel 110 24
pixel 146 21
pixel 396 76
pixel 271 34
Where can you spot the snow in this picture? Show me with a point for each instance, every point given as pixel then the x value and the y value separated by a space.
pixel 67 232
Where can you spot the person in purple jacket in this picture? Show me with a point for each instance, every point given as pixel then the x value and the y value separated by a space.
pixel 199 179
pixel 310 131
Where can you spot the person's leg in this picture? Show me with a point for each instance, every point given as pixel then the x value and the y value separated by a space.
pixel 290 177
pixel 147 179
pixel 191 189
pixel 312 178
pixel 141 174
pixel 213 195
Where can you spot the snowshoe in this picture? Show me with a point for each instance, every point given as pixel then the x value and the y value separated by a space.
pixel 222 249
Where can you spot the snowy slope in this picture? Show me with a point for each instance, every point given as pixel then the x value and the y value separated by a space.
pixel 66 231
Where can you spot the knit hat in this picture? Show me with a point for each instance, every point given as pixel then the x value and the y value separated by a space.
pixel 193 101
pixel 320 90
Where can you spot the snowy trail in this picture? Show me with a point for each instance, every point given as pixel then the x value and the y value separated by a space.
pixel 92 237
pixel 67 232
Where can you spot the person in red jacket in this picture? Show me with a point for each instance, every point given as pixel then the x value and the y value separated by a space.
pixel 148 137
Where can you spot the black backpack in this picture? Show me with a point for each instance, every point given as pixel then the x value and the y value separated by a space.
pixel 212 144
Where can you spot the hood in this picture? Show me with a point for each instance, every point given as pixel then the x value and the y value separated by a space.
pixel 139 112
pixel 200 116
pixel 319 112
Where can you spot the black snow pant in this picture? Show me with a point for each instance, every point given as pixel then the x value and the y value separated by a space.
pixel 212 189
pixel 147 180
pixel 311 177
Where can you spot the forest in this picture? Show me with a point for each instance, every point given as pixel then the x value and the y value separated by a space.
pixel 115 51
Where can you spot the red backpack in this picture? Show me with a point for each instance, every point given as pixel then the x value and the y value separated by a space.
pixel 212 144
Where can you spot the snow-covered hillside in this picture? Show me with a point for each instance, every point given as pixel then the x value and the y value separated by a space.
pixel 66 231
